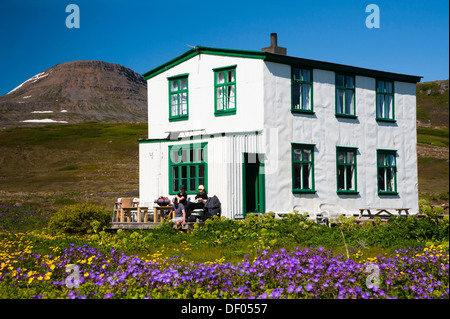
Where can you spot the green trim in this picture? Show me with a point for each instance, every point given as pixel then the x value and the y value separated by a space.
pixel 261 183
pixel 386 120
pixel 345 88
pixel 301 82
pixel 386 166
pixel 344 192
pixel 178 92
pixel 190 149
pixel 276 58
pixel 346 165
pixel 303 147
pixel 179 76
pixel 384 93
pixel 224 87
pixel 346 116
pixel 225 68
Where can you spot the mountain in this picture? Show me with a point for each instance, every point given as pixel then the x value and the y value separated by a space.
pixel 75 92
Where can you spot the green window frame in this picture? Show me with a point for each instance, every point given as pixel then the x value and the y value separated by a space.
pixel 188 165
pixel 302 96
pixel 385 106
pixel 345 96
pixel 387 172
pixel 346 170
pixel 303 168
pixel 225 90
pixel 178 97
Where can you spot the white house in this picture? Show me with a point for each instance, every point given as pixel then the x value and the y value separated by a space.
pixel 264 131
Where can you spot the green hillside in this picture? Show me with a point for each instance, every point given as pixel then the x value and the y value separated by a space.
pixel 57 165
pixel 433 139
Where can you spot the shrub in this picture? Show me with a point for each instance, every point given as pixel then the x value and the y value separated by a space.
pixel 78 218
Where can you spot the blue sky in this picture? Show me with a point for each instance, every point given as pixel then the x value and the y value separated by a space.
pixel 413 37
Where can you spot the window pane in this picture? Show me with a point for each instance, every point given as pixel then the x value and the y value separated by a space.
pixel 200 155
pixel 349 178
pixel 297 74
pixel 390 160
pixel 381 159
pixel 388 87
pixel 350 157
pixel 381 185
pixel 184 156
pixel 220 78
pixel 390 179
pixel 174 104
pixel 192 185
pixel 380 109
pixel 174 85
pixel 350 83
pixel 306 103
pixel 307 155
pixel 230 76
pixel 341 180
pixel 340 80
pixel 201 171
pixel 296 95
pixel 183 103
pixel 349 102
pixel 297 155
pixel 184 175
pixel 380 86
pixel 175 158
pixel 341 157
pixel 306 176
pixel 183 84
pixel 175 185
pixel 231 97
pixel 219 92
pixel 340 101
pixel 388 107
pixel 306 75
pixel 297 176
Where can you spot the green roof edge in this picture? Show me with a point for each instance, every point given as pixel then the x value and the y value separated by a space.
pixel 276 58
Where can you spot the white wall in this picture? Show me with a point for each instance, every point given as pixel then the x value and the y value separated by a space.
pixel 326 131
pixel 263 93
pixel 249 96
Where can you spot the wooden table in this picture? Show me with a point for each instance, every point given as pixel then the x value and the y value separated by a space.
pixel 380 211
pixel 160 208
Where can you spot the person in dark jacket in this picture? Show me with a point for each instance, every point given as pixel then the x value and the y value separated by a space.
pixel 212 207
pixel 199 201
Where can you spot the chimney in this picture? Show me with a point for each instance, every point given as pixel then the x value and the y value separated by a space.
pixel 274 48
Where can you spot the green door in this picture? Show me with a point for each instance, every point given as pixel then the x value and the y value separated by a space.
pixel 253 183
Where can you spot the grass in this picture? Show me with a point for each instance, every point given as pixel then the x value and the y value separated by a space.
pixel 433 176
pixel 79 158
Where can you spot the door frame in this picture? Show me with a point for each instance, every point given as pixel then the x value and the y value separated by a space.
pixel 261 178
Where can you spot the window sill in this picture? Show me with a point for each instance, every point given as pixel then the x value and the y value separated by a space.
pixel 386 120
pixel 299 111
pixel 224 113
pixel 387 193
pixel 346 116
pixel 180 118
pixel 303 191
pixel 344 192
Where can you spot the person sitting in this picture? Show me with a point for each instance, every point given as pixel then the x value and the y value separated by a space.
pixel 199 201
pixel 178 213
pixel 182 197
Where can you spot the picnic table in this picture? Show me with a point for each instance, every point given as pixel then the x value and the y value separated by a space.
pixel 383 213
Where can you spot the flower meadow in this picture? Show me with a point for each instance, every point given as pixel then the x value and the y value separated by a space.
pixel 257 258
pixel 299 273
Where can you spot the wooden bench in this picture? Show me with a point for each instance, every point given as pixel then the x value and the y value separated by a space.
pixel 383 213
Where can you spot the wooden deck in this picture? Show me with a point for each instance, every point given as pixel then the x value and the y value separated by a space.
pixel 148 225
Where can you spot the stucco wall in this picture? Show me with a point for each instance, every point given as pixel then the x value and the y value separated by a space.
pixel 326 131
pixel 249 97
